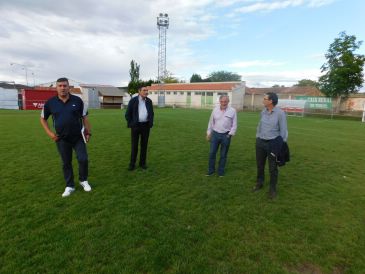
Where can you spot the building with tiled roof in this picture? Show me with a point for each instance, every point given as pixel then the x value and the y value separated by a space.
pixel 286 91
pixel 102 96
pixel 254 96
pixel 197 95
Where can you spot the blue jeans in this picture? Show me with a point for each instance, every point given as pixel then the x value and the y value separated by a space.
pixel 65 150
pixel 224 140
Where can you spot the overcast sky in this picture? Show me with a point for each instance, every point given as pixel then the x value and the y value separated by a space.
pixel 268 42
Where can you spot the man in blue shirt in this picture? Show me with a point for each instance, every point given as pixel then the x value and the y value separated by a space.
pixel 69 117
pixel 272 131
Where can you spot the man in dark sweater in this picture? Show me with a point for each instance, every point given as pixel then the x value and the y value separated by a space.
pixel 139 116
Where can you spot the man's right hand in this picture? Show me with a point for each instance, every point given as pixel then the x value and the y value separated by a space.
pixel 54 137
pixel 208 137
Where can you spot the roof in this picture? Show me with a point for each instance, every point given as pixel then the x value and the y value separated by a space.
pixel 357 95
pixel 105 90
pixel 75 90
pixel 95 86
pixel 220 86
pixel 11 85
pixel 295 90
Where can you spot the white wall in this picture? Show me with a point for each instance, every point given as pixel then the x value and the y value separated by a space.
pixel 91 97
pixel 9 98
pixel 179 99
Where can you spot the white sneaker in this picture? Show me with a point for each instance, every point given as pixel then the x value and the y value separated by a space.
pixel 68 191
pixel 86 186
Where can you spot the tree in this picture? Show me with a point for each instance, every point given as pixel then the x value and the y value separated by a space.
pixel 195 78
pixel 133 87
pixel 134 71
pixel 134 83
pixel 306 83
pixel 223 76
pixel 343 69
pixel 169 78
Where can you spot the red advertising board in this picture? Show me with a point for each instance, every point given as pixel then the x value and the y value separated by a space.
pixel 34 99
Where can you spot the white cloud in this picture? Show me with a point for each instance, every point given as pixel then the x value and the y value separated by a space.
pixel 93 41
pixel 256 63
pixel 279 77
pixel 319 3
pixel 268 6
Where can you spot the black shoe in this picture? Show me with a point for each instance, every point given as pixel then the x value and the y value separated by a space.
pixel 209 174
pixel 143 167
pixel 272 194
pixel 257 187
pixel 130 168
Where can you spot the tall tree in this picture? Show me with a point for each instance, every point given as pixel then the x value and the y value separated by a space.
pixel 343 69
pixel 306 83
pixel 223 76
pixel 195 78
pixel 134 83
pixel 134 71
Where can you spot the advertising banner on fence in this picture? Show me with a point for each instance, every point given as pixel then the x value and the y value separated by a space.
pixel 34 99
pixel 317 102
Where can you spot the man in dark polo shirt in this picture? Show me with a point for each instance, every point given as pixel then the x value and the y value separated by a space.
pixel 69 116
pixel 139 116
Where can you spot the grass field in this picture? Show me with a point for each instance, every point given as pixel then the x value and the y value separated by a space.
pixel 173 219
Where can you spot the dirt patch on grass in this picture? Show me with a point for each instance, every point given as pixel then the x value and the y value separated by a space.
pixel 309 268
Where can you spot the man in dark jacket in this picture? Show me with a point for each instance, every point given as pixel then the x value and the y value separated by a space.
pixel 139 116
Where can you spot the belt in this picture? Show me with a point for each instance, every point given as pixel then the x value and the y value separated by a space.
pixel 221 133
pixel 263 140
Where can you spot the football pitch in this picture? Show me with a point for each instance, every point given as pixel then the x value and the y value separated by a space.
pixel 171 218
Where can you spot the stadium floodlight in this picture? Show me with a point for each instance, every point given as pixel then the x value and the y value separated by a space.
pixel 162 25
pixel 25 69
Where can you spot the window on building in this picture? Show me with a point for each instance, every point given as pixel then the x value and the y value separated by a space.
pixel 189 93
pixel 181 93
pixel 175 92
pixel 168 93
pixel 209 93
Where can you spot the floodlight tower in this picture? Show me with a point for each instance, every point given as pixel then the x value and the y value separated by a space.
pixel 162 25
pixel 25 69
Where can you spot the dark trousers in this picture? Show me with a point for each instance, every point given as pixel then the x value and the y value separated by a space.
pixel 216 140
pixel 65 150
pixel 263 152
pixel 141 130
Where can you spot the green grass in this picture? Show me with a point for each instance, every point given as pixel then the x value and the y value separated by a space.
pixel 173 219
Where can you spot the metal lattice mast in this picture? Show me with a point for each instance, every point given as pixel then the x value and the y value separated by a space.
pixel 162 25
